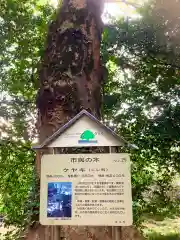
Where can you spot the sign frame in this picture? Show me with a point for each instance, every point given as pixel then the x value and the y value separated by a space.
pixel 47 146
pixel 113 185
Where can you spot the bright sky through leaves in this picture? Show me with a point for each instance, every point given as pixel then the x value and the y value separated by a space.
pixel 114 9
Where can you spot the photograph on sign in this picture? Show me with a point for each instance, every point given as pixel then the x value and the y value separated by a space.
pixel 86 189
pixel 59 199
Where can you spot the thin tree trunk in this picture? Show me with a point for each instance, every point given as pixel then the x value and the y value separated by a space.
pixel 71 80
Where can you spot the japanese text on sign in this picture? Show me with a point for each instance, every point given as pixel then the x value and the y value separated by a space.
pixel 89 189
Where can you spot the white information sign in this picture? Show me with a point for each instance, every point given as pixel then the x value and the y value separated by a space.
pixel 86 189
pixel 85 133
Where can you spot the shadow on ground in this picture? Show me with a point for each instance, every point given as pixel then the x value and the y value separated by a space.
pixel 158 236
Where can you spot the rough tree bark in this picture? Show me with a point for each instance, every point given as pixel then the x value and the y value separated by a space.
pixel 71 80
pixel 71 74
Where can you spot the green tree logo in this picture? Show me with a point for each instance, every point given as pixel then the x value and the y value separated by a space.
pixel 87 137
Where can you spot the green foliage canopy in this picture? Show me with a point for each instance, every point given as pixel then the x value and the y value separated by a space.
pixel 144 93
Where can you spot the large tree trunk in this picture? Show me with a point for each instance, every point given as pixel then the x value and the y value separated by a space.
pixel 71 74
pixel 71 80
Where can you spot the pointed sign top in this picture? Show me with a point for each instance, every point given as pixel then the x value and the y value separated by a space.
pixel 84 130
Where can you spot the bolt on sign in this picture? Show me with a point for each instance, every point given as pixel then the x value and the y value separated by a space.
pixel 86 189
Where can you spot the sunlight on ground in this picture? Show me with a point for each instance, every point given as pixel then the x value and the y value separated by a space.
pixel 168 229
